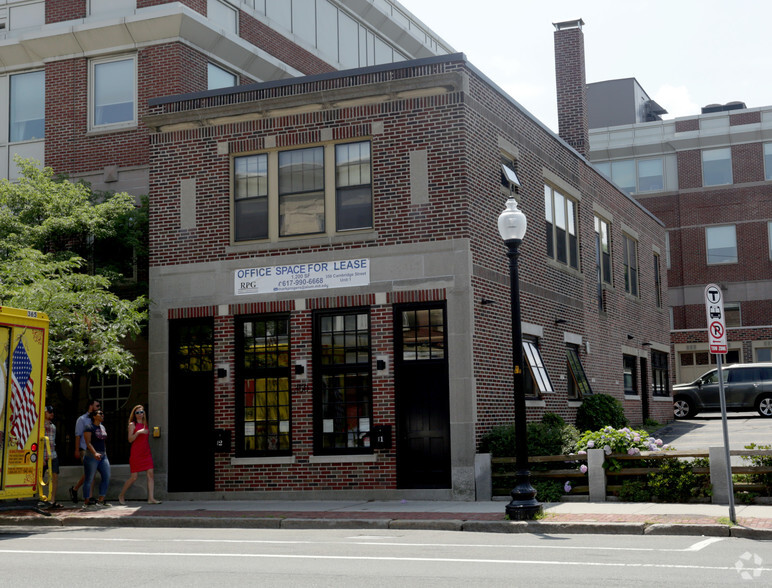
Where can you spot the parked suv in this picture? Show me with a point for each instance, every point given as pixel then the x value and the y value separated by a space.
pixel 747 386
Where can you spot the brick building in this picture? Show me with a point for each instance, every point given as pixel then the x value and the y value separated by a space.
pixel 708 177
pixel 331 295
pixel 76 77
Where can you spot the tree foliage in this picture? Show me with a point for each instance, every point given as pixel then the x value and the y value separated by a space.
pixel 46 227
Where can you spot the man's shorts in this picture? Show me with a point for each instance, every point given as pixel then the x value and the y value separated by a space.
pixel 54 466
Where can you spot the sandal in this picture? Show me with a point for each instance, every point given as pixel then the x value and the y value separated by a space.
pixel 154 501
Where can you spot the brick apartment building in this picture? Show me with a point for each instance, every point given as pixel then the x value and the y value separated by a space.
pixel 708 177
pixel 326 248
pixel 76 77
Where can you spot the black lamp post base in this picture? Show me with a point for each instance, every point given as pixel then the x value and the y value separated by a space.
pixel 523 511
pixel 524 505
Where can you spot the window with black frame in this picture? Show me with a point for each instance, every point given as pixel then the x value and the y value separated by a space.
pixel 263 401
pixel 660 374
pixel 578 384
pixel 342 382
pixel 630 372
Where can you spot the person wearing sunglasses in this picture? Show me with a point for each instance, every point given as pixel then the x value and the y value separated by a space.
pixel 140 459
pixel 96 460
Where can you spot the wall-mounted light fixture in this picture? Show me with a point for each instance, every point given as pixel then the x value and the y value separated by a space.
pixel 486 301
pixel 646 344
pixel 559 321
pixel 629 337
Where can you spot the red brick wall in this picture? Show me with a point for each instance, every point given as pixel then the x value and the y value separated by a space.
pixel 691 124
pixel 168 69
pixel 571 88
pixel 460 133
pixel 60 10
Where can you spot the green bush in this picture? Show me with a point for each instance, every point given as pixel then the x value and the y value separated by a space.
pixel 676 482
pixel 547 490
pixel 598 411
pixel 544 438
pixel 760 461
pixel 553 419
pixel 634 491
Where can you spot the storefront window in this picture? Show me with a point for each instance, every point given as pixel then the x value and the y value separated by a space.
pixel 342 382
pixel 264 399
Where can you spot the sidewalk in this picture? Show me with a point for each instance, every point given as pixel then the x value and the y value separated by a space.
pixel 753 521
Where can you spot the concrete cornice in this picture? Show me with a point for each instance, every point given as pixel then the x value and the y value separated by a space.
pixel 348 97
pixel 167 23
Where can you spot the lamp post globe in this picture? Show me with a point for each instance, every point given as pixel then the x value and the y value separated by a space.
pixel 524 506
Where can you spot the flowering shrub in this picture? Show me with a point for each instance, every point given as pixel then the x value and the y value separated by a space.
pixel 623 440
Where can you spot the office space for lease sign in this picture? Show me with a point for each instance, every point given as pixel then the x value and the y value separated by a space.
pixel 317 275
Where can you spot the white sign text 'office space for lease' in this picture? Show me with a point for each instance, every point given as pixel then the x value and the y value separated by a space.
pixel 315 275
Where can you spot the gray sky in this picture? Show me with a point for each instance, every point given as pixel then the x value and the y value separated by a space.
pixel 685 53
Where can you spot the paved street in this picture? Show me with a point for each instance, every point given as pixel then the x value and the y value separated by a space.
pixel 265 557
pixel 705 430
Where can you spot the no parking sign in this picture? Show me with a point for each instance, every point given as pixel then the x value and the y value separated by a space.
pixel 714 307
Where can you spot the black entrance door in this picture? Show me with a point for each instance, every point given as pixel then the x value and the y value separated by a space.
pixel 191 405
pixel 422 404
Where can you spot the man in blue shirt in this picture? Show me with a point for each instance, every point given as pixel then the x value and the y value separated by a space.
pixel 80 443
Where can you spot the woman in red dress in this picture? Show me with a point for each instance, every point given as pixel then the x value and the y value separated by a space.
pixel 140 460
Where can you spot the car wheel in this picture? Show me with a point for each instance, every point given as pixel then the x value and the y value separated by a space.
pixel 764 405
pixel 683 408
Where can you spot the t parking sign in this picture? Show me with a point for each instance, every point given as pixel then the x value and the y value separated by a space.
pixel 714 308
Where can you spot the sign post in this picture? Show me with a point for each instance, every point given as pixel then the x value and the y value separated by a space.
pixel 714 308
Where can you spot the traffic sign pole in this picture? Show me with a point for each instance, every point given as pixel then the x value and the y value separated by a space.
pixel 714 309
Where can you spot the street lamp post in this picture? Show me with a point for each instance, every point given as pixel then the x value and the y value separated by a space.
pixel 524 506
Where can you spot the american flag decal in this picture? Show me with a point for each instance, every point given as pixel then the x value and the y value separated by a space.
pixel 22 396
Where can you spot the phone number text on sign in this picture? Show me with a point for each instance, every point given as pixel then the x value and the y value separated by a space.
pixel 319 275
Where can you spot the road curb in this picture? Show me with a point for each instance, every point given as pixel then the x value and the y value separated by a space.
pixel 335 523
pixel 708 530
pixel 427 525
pixel 750 533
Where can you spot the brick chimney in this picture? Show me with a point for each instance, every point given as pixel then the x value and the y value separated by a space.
pixel 571 84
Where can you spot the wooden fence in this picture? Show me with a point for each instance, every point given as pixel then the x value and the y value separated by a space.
pixel 566 468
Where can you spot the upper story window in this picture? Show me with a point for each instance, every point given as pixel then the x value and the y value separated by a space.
pixel 768 161
pixel 716 166
pixel 27 106
pixel 651 176
pixel 353 186
pixel 721 244
pixel 630 262
pixel 113 95
pixel 657 282
pixel 769 238
pixel 633 176
pixel 562 240
pixel 300 191
pixel 217 77
pixel 21 14
pixel 223 15
pixel 603 249
pixel 111 6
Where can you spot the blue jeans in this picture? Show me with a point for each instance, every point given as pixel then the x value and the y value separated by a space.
pixel 90 466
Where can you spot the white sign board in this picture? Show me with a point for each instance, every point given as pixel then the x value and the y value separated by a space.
pixel 318 275
pixel 714 309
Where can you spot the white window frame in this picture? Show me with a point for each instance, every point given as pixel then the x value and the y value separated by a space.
pixel 708 231
pixel 91 97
